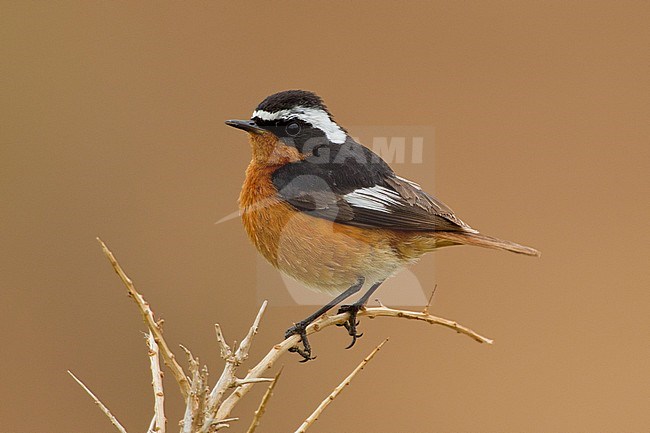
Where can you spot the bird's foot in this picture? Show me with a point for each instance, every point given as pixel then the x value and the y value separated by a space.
pixel 300 329
pixel 352 322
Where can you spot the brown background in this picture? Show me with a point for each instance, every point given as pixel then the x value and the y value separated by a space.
pixel 112 126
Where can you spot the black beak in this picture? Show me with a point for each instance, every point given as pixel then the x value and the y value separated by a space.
pixel 246 125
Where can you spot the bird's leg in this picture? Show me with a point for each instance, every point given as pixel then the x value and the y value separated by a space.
pixel 300 328
pixel 352 322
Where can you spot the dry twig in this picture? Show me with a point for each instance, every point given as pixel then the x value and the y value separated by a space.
pixel 311 419
pixel 101 405
pixel 206 410
pixel 262 407
pixel 195 403
pixel 147 315
pixel 426 307
pixel 325 321
pixel 233 360
pixel 158 423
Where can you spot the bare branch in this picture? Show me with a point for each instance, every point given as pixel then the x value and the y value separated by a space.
pixel 372 312
pixel 323 322
pixel 207 411
pixel 147 315
pixel 101 405
pixel 226 351
pixel 204 391
pixel 228 378
pixel 195 403
pixel 242 352
pixel 321 407
pixel 239 382
pixel 187 417
pixel 225 381
pixel 262 407
pixel 152 424
pixel 223 424
pixel 426 307
pixel 159 421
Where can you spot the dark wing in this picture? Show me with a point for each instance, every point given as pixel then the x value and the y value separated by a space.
pixel 354 186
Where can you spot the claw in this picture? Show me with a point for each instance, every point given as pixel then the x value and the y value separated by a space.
pixel 354 340
pixel 301 330
pixel 352 322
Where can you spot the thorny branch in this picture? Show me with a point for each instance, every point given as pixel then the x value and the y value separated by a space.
pixel 311 419
pixel 101 405
pixel 158 423
pixel 265 399
pixel 206 410
pixel 154 328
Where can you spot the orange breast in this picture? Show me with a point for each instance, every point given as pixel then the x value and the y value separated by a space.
pixel 324 255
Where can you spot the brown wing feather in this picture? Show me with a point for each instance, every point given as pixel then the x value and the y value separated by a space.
pixel 399 204
pixel 414 196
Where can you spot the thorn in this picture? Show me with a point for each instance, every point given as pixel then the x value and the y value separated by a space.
pixel 433 292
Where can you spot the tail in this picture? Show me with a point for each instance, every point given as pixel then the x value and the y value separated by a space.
pixel 480 240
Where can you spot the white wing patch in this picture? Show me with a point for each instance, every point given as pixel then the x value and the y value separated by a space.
pixel 314 116
pixel 375 198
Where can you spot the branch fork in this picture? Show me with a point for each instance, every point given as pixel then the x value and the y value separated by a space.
pixel 206 409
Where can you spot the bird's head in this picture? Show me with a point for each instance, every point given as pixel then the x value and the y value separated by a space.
pixel 289 126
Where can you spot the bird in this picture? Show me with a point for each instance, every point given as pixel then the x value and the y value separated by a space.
pixel 332 214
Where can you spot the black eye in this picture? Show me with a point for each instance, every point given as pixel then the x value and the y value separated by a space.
pixel 293 129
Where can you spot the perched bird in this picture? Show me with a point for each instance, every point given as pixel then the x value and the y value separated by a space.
pixel 332 214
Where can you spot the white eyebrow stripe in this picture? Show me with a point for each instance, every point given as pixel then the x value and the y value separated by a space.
pixel 265 115
pixel 314 116
pixel 375 198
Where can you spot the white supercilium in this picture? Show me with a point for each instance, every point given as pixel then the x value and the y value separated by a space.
pixel 314 116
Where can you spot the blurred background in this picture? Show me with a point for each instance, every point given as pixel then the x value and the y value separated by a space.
pixel 112 126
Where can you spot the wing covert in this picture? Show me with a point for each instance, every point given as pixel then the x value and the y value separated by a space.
pixel 362 191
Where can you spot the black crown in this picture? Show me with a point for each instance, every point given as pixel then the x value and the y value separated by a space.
pixel 292 98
